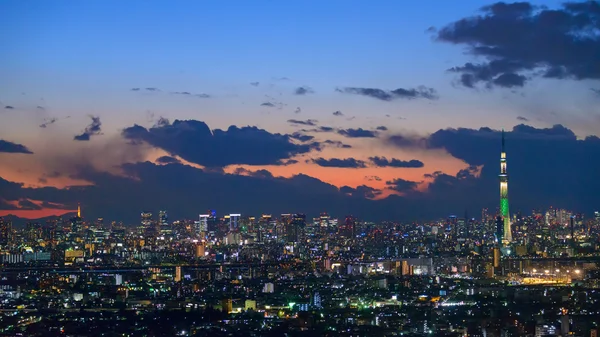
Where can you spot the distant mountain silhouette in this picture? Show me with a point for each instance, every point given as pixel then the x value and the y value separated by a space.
pixel 21 222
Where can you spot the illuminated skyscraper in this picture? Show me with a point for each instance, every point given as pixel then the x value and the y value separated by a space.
pixel 233 221
pixel 348 229
pixel 202 226
pixel 5 231
pixel 295 227
pixel 163 218
pixel 163 223
pixel 146 219
pixel 507 237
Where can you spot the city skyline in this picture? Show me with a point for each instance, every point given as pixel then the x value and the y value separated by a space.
pixel 134 112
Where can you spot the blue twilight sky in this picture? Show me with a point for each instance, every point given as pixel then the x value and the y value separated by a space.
pixel 67 108
pixel 76 58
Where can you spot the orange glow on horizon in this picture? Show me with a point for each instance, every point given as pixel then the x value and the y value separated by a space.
pixel 36 213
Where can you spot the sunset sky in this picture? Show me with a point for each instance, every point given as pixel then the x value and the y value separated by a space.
pixel 386 104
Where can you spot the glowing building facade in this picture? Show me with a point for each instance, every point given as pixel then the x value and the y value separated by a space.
pixel 507 235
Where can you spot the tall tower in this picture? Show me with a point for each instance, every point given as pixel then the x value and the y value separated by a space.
pixel 507 237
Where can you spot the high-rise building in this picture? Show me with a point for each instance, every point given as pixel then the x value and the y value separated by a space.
pixel 324 221
pixel 316 300
pixel 163 223
pixel 507 237
pixel 572 228
pixel 202 224
pixel 5 231
pixel 163 218
pixel 199 250
pixel 76 223
pixel 294 227
pixel 234 221
pixel 146 219
pixel 48 230
pixel 499 230
pixel 348 230
pixel 262 226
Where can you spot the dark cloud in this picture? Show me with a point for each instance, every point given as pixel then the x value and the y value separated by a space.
pixel 153 187
pixel 519 40
pixel 152 89
pixel 509 80
pixel 9 107
pixel 298 110
pixel 20 204
pixel 337 143
pixel 54 174
pixel 40 107
pixel 52 205
pixel 381 128
pixel 48 122
pixel 273 102
pixel 135 89
pixel 336 162
pixel 522 119
pixel 338 113
pixel 94 128
pixel 384 162
pixel 187 93
pixel 255 84
pixel 406 141
pixel 472 74
pixel 357 133
pixel 372 178
pixel 320 129
pixel 264 174
pixel 28 205
pixel 10 147
pixel 302 137
pixel 389 95
pixel 546 167
pixel 167 160
pixel 362 191
pixel 538 178
pixel 194 141
pixel 401 185
pixel 596 91
pixel 150 186
pixel 162 121
pixel 309 122
pixel 303 91
pixel 288 162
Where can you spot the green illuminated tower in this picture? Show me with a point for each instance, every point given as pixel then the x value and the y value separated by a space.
pixel 507 237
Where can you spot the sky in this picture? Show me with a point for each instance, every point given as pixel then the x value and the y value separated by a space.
pixel 386 109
